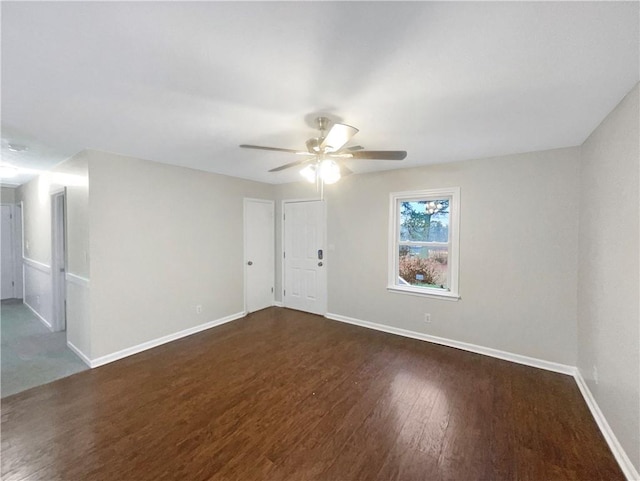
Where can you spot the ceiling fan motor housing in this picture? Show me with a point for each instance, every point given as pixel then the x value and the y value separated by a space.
pixel 313 144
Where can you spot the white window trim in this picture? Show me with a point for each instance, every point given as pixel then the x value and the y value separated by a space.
pixel 454 237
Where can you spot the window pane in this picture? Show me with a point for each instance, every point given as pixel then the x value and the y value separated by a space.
pixel 424 220
pixel 423 266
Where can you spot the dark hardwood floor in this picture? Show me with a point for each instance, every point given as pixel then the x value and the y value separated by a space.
pixel 283 395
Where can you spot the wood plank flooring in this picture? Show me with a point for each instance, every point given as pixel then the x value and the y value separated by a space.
pixel 284 395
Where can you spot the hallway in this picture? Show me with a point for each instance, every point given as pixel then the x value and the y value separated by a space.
pixel 31 354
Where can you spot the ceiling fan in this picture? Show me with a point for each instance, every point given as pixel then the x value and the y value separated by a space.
pixel 324 155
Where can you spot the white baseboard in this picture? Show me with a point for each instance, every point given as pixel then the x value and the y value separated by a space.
pixel 278 303
pixel 79 353
pixel 621 456
pixel 487 351
pixel 37 314
pixel 100 361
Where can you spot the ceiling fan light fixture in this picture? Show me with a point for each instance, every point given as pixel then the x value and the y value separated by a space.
pixel 309 173
pixel 329 171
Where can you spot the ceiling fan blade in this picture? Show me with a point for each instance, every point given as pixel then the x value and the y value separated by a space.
pixel 379 154
pixel 338 135
pixel 290 164
pixel 340 155
pixel 275 149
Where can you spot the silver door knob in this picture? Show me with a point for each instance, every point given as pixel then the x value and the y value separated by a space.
pixel 319 264
pixel 250 263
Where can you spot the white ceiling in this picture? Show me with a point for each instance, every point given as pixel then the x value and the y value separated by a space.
pixel 185 83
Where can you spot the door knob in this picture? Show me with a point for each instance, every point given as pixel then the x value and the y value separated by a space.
pixel 250 263
pixel 319 264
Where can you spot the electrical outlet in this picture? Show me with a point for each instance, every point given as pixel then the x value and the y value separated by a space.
pixel 427 317
pixel 199 309
pixel 595 374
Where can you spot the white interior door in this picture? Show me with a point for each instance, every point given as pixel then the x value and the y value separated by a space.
pixel 6 245
pixel 305 257
pixel 259 254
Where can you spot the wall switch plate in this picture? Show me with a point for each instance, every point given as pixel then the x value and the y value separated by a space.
pixel 199 309
pixel 427 317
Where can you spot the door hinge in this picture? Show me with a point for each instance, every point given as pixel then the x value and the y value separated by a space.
pixel 272 290
pixel 284 216
pixel 13 284
pixel 284 255
pixel 284 292
pixel 10 216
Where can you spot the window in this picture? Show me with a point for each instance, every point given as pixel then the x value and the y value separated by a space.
pixel 423 242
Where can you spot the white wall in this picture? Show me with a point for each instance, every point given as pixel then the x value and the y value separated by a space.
pixel 608 282
pixel 37 290
pixel 163 240
pixel 76 178
pixel 145 245
pixel 36 197
pixel 37 218
pixel 518 252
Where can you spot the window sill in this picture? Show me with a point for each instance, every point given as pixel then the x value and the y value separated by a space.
pixel 446 296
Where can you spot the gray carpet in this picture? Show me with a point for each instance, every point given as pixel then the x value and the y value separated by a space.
pixel 31 355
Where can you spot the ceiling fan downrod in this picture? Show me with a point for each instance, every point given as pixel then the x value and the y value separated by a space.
pixel 322 122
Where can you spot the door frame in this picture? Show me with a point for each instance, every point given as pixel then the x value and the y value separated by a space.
pixel 244 248
pixel 58 282
pixel 324 240
pixel 18 250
